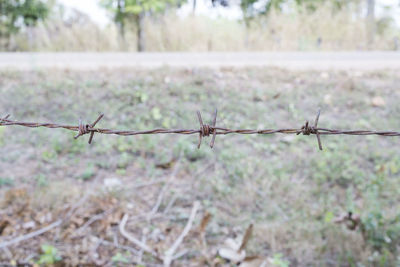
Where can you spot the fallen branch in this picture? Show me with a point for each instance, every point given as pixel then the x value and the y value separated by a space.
pixel 135 241
pixel 169 254
pixel 93 219
pixel 111 244
pixel 164 189
pixel 30 235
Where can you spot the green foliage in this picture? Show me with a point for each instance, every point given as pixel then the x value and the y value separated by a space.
pixel 49 255
pixel 15 14
pixel 49 155
pixel 124 161
pixel 89 172
pixel 380 233
pixel 278 261
pixel 313 4
pixel 2 129
pixel 119 258
pixel 156 113
pixel 122 9
pixel 4 181
pixel 253 8
pixel 41 180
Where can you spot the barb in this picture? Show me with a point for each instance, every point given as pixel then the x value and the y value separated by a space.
pixel 206 130
pixel 85 129
pixel 203 131
pixel 307 130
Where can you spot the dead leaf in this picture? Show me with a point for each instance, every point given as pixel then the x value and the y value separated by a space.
pixel 29 225
pixel 166 165
pixel 255 262
pixel 234 250
pixel 232 255
pixel 204 222
pixel 378 101
pixel 246 237
pixel 328 99
pixel 276 96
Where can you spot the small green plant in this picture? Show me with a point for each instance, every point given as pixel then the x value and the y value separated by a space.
pixel 119 258
pixel 278 260
pixel 41 180
pixel 49 256
pixel 380 232
pixel 89 172
pixel 49 155
pixel 124 161
pixel 141 97
pixel 156 114
pixel 2 136
pixel 5 181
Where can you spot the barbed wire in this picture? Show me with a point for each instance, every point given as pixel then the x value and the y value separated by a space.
pixel 203 131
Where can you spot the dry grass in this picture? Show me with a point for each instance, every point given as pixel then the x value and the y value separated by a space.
pixel 298 30
pixel 286 187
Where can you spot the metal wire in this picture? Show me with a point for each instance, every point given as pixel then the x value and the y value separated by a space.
pixel 204 130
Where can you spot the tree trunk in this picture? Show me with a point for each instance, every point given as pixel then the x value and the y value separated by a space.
pixel 194 6
pixel 246 33
pixel 121 23
pixel 141 39
pixel 371 22
pixel 31 38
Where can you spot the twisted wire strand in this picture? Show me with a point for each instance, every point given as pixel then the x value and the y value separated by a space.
pixel 203 131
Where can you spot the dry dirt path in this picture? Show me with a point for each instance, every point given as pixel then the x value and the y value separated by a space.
pixel 289 60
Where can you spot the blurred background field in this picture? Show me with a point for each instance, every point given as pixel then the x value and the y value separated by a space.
pixel 284 185
pixel 219 25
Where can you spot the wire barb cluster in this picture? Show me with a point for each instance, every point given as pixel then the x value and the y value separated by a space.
pixel 204 130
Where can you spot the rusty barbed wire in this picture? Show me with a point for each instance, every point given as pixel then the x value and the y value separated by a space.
pixel 203 131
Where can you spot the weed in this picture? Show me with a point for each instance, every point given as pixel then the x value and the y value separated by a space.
pixel 5 181
pixel 120 259
pixel 41 180
pixel 49 255
pixel 89 172
pixel 49 155
pixel 279 261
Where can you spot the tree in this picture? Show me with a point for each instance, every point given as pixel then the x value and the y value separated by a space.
pixel 254 8
pixel 371 21
pixel 16 14
pixel 126 11
pixel 313 4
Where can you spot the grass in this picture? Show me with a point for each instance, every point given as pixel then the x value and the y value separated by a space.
pixel 290 190
pixel 297 30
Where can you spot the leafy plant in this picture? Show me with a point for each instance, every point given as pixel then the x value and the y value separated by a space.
pixel 6 181
pixel 278 260
pixel 1 136
pixel 18 13
pixel 134 11
pixel 380 232
pixel 89 172
pixel 119 258
pixel 49 256
pixel 41 180
pixel 49 155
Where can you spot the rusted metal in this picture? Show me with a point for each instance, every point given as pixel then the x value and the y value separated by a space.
pixel 203 131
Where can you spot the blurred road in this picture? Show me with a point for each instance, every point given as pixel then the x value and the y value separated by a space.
pixel 289 60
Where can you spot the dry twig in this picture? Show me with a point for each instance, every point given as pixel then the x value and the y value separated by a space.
pixel 169 254
pixel 135 241
pixel 31 234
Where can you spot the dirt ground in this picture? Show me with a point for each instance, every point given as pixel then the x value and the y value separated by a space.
pixel 251 200
pixel 366 61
